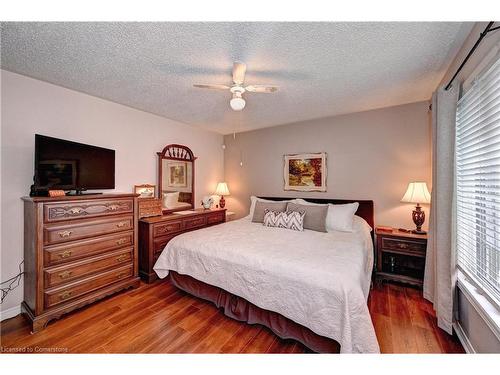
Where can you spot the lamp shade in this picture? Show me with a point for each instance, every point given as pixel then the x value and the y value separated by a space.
pixel 222 189
pixel 417 192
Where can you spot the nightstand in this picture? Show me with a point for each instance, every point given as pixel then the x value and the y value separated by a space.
pixel 230 215
pixel 400 256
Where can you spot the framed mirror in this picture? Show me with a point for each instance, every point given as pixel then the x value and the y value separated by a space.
pixel 176 178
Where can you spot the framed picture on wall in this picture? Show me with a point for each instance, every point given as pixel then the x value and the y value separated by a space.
pixel 305 172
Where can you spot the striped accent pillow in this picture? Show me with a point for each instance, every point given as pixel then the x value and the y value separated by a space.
pixel 293 220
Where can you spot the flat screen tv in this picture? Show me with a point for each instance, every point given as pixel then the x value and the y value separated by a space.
pixel 67 165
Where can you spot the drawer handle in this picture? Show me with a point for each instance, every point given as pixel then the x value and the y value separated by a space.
pixel 122 275
pixel 75 210
pixel 64 233
pixel 121 224
pixel 121 241
pixel 113 207
pixel 122 257
pixel 403 246
pixel 65 295
pixel 65 274
pixel 65 254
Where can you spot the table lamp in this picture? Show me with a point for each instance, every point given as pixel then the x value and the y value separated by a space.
pixel 417 192
pixel 222 190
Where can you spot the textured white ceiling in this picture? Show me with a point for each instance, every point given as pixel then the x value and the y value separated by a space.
pixel 322 69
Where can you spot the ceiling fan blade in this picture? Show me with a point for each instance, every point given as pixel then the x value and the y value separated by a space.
pixel 261 88
pixel 213 87
pixel 239 70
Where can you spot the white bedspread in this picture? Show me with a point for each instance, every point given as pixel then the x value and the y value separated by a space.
pixel 319 280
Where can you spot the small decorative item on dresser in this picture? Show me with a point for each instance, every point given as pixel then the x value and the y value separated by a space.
pixel 417 192
pixel 222 190
pixel 56 193
pixel 400 256
pixel 207 202
pixel 149 207
pixel 145 190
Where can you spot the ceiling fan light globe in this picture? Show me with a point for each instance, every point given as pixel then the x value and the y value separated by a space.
pixel 237 104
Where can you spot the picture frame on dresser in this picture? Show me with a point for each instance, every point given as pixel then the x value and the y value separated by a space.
pixel 77 250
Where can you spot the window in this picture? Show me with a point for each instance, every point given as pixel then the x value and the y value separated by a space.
pixel 478 182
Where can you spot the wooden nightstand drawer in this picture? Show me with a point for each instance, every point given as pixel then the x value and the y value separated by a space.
pixel 399 244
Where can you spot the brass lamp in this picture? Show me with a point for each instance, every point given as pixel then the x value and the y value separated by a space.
pixel 417 192
pixel 222 190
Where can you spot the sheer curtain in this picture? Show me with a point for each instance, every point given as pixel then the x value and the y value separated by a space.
pixel 440 263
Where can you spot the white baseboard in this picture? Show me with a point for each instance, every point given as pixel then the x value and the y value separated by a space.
pixel 10 313
pixel 464 340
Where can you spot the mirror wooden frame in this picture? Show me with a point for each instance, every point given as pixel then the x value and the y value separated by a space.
pixel 178 153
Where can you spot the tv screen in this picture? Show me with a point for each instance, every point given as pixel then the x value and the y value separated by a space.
pixel 66 165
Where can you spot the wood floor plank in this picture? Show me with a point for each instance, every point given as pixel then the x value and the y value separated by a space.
pixel 403 335
pixel 261 343
pixel 382 325
pixel 241 338
pixel 159 318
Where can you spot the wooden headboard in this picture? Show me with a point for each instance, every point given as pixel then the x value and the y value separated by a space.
pixel 365 209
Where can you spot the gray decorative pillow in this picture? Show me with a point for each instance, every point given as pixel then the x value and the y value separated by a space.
pixel 293 220
pixel 315 218
pixel 260 207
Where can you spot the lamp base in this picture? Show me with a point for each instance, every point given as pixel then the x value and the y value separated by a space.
pixel 222 202
pixel 414 231
pixel 418 216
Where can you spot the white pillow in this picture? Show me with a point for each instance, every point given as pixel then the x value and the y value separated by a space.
pixel 360 225
pixel 170 199
pixel 339 217
pixel 254 199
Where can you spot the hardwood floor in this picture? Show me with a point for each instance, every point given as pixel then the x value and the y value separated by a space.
pixel 158 318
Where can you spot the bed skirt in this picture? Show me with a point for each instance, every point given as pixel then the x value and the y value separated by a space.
pixel 240 309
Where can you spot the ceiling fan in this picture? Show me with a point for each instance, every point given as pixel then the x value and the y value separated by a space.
pixel 237 102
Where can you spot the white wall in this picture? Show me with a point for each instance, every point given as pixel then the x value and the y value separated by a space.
pixel 30 106
pixel 371 155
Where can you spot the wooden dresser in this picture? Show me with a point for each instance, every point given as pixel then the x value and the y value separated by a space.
pixel 156 232
pixel 401 256
pixel 77 250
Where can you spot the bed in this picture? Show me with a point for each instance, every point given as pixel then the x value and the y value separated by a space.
pixel 309 286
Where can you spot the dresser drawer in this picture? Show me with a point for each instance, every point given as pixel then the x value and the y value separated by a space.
pixel 63 233
pixel 168 227
pixel 70 252
pixel 67 273
pixel 195 222
pixel 403 245
pixel 216 218
pixel 54 212
pixel 160 243
pixel 54 297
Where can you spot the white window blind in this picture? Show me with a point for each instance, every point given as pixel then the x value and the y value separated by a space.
pixel 478 182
